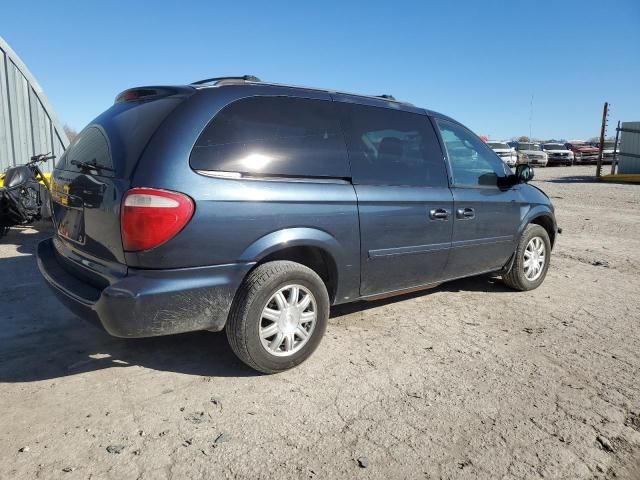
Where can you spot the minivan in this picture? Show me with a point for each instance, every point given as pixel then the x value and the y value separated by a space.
pixel 253 207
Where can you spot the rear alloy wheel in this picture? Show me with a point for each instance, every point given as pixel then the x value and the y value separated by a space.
pixel 531 261
pixel 278 317
pixel 288 320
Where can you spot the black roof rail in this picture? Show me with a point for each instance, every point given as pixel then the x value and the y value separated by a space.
pixel 246 78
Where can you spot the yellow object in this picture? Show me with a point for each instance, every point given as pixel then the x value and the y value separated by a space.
pixel 629 177
pixel 46 175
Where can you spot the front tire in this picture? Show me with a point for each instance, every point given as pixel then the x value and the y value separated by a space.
pixel 531 262
pixel 278 317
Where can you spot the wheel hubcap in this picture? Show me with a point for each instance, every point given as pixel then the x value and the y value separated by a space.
pixel 288 320
pixel 534 258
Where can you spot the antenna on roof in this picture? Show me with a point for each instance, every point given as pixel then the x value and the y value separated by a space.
pixel 387 97
pixel 246 78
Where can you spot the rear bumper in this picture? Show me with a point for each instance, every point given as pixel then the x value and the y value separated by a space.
pixel 147 303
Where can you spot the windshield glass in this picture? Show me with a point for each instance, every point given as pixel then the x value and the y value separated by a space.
pixel 497 145
pixel 528 146
pixel 608 145
pixel 554 146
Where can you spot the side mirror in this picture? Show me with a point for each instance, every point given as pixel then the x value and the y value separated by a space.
pixel 524 173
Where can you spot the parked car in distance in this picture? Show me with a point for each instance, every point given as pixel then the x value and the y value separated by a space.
pixel 582 151
pixel 253 207
pixel 504 151
pixel 530 153
pixel 558 154
pixel 607 150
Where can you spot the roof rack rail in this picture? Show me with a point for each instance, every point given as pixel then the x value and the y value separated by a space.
pixel 387 97
pixel 246 78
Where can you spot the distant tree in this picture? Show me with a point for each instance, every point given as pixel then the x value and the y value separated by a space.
pixel 594 140
pixel 523 138
pixel 71 133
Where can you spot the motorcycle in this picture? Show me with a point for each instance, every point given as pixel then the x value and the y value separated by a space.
pixel 25 197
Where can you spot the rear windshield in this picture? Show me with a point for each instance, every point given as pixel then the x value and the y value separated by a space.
pixel 278 136
pixel 498 145
pixel 112 144
pixel 528 146
pixel 91 147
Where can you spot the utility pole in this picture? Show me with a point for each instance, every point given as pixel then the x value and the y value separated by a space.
pixel 605 113
pixel 530 116
pixel 614 160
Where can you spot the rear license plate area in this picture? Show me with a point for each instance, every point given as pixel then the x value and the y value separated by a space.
pixel 70 223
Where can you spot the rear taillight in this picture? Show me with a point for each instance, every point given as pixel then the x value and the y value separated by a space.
pixel 151 217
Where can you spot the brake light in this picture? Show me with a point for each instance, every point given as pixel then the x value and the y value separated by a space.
pixel 143 93
pixel 151 217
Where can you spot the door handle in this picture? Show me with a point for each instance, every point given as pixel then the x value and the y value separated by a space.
pixel 438 214
pixel 465 213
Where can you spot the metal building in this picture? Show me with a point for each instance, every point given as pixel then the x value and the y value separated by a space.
pixel 629 154
pixel 28 124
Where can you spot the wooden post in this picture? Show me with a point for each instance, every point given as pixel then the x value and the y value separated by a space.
pixel 605 111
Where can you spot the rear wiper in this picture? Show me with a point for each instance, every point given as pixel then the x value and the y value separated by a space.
pixel 91 166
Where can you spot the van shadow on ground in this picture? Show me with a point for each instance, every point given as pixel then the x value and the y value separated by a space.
pixel 40 339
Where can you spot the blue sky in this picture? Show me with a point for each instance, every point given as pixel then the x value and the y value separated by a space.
pixel 479 62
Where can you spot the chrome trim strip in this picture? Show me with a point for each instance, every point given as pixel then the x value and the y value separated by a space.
pixel 388 252
pixel 266 178
pixel 482 241
pixel 436 247
pixel 219 174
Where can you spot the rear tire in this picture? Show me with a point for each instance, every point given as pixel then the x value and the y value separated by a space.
pixel 529 268
pixel 265 313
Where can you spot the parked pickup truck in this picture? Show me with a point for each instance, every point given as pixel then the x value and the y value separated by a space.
pixel 582 151
pixel 505 152
pixel 607 150
pixel 532 154
pixel 558 154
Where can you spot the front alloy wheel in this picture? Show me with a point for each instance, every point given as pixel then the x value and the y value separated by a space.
pixel 531 259
pixel 534 259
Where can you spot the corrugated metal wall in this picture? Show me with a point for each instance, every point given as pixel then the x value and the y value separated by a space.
pixel 629 144
pixel 28 125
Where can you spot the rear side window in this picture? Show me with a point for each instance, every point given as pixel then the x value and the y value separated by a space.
pixel 392 147
pixel 278 136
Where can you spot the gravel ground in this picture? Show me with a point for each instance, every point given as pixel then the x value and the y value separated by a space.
pixel 469 380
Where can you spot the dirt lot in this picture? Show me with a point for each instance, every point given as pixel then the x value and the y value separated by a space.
pixel 469 380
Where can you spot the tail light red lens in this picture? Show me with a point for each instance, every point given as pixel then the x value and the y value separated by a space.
pixel 151 217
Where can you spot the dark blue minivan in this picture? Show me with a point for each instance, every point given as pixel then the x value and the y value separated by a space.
pixel 253 207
